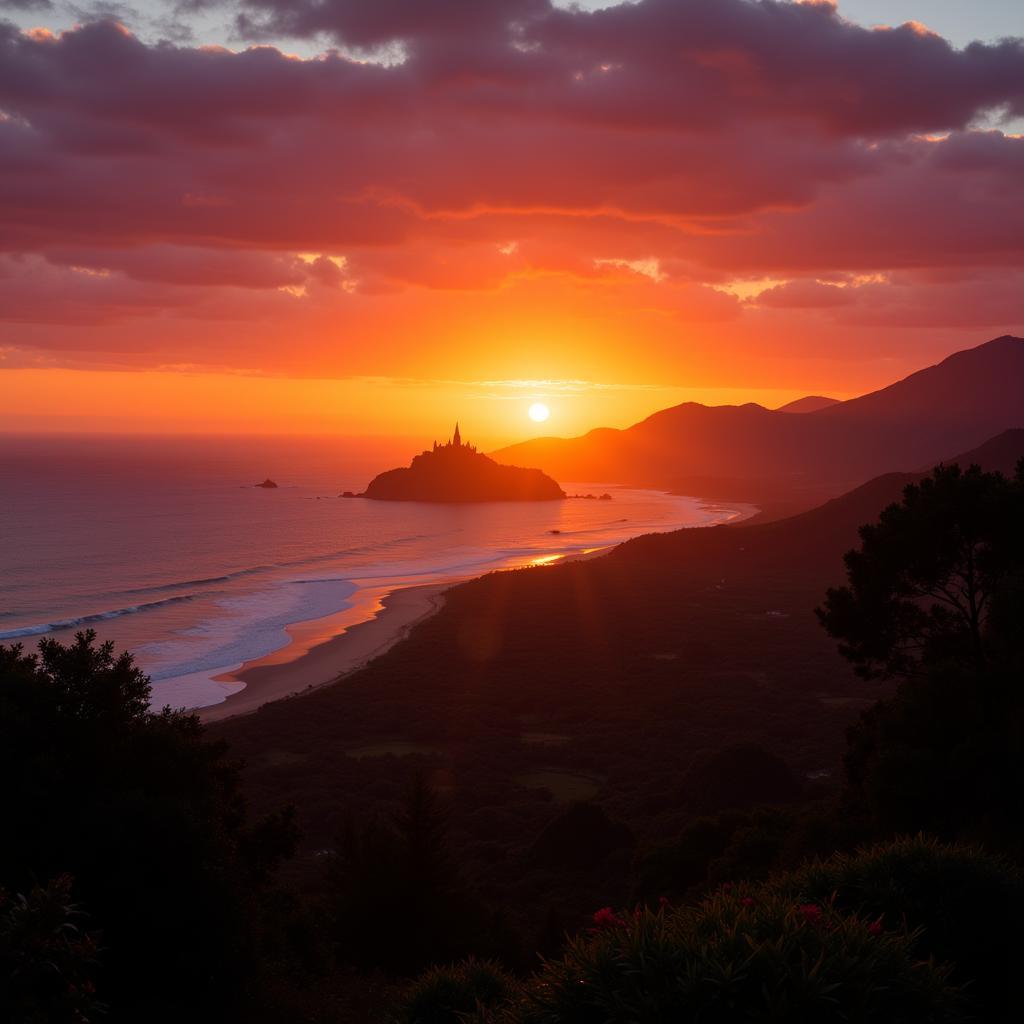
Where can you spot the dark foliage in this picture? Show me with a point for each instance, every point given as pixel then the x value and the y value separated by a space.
pixel 395 898
pixel 923 585
pixel 725 961
pixel 145 814
pixel 447 995
pixel 906 931
pixel 48 962
pixel 847 939
pixel 934 597
pixel 734 844
pixel 962 906
pixel 945 755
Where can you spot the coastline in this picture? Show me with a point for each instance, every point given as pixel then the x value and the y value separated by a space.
pixel 315 657
pixel 288 673
pixel 322 652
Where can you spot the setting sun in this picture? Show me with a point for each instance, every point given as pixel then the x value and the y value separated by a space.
pixel 539 412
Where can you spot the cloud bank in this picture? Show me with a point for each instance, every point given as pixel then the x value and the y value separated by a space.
pixel 454 166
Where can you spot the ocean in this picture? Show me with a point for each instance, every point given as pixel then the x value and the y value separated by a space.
pixel 166 547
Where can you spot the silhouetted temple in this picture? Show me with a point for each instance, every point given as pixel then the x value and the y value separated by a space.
pixel 456 471
pixel 455 442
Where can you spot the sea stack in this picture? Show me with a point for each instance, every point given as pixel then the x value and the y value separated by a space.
pixel 457 472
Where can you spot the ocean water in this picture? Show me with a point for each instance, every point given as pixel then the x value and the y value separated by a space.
pixel 165 546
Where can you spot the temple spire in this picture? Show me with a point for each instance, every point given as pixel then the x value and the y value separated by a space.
pixel 457 437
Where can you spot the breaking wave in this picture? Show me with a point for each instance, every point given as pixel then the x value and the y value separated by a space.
pixel 85 620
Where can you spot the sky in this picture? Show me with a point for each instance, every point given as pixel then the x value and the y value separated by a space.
pixel 372 218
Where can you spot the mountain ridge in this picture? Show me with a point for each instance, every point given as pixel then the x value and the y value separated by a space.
pixel 809 403
pixel 792 462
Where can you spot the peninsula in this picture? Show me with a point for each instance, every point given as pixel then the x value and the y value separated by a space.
pixel 457 472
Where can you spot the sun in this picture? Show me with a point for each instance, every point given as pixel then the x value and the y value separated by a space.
pixel 539 412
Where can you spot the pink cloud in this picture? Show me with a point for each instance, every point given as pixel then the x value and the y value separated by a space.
pixel 719 138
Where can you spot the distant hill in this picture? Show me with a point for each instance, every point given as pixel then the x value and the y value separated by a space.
pixel 459 473
pixel 790 461
pixel 835 523
pixel 998 455
pixel 810 403
pixel 809 545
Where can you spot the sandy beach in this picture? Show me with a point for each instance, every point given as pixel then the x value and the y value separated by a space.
pixel 323 651
pixel 313 660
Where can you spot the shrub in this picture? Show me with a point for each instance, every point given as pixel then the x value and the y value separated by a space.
pixel 47 963
pixel 746 954
pixel 963 907
pixel 446 995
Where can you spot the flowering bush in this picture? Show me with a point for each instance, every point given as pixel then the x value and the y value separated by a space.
pixel 907 931
pixel 737 956
pixel 964 908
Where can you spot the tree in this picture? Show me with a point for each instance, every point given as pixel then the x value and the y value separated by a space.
pixel 934 599
pixel 932 579
pixel 146 814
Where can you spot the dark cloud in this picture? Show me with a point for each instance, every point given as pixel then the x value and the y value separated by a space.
pixel 714 137
pixel 26 5
pixel 676 58
pixel 362 24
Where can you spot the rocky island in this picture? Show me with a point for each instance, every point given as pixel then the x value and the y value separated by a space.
pixel 457 472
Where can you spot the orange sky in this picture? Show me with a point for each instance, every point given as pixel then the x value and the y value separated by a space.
pixel 610 211
pixel 492 413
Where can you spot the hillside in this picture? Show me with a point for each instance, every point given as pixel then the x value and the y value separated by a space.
pixel 791 462
pixel 607 679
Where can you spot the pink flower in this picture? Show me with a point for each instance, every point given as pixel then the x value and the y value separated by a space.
pixel 662 901
pixel 875 928
pixel 810 912
pixel 747 901
pixel 607 918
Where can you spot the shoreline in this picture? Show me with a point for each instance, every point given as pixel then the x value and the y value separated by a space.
pixel 323 652
pixel 313 659
pixel 329 659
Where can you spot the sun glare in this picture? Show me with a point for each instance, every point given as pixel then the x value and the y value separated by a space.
pixel 539 412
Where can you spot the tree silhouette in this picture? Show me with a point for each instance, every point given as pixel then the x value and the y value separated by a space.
pixel 146 815
pixel 936 599
pixel 926 586
pixel 422 827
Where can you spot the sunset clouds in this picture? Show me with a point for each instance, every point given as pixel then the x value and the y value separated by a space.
pixel 460 166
